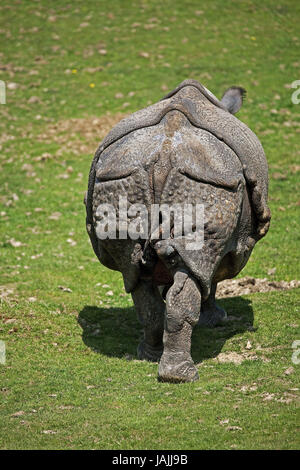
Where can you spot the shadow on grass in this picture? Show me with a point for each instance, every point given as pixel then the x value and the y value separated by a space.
pixel 208 342
pixel 115 332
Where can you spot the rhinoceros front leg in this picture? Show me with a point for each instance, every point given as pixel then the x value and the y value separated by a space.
pixel 182 312
pixel 211 314
pixel 150 308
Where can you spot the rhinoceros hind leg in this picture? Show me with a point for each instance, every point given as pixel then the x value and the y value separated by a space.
pixel 150 308
pixel 211 314
pixel 182 313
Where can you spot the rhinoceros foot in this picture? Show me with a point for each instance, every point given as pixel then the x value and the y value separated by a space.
pixel 212 316
pixel 177 367
pixel 149 353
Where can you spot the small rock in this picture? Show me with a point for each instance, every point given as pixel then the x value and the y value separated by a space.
pixel 233 428
pixel 15 243
pixel 17 414
pixel 224 421
pixel 12 86
pixel 33 100
pixel 54 216
pixel 65 289
pixel 10 320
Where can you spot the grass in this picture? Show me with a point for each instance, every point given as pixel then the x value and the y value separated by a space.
pixel 71 378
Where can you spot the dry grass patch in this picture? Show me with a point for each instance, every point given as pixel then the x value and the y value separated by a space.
pixel 79 136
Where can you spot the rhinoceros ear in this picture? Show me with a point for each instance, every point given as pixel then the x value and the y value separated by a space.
pixel 233 98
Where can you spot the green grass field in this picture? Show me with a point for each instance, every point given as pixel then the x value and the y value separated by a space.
pixel 71 379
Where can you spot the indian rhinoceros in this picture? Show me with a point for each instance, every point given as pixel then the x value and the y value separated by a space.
pixel 186 149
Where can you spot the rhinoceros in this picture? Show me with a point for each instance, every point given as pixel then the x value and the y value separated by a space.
pixel 187 149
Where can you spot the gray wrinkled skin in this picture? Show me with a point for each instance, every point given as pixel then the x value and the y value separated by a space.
pixel 187 148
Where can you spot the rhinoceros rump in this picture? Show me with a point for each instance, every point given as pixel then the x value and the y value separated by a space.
pixel 186 149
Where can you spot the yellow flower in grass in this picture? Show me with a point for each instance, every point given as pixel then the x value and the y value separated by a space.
pixel 92 85
pixel 74 70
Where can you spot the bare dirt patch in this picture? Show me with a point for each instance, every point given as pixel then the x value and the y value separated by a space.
pixel 250 285
pixel 6 291
pixel 238 358
pixel 79 136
